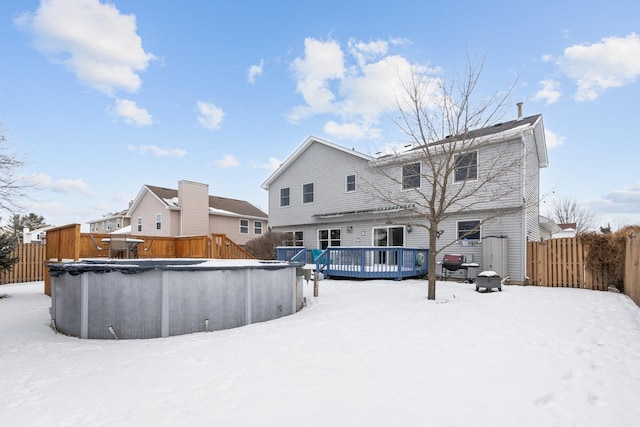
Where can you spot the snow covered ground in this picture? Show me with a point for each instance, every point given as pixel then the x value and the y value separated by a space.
pixel 364 353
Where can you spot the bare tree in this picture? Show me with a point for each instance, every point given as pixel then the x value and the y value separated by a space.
pixel 568 211
pixel 12 187
pixel 439 172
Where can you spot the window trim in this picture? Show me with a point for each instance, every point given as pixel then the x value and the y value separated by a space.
pixel 418 175
pixel 470 238
pixel 291 238
pixel 158 221
pixel 256 229
pixel 246 227
pixel 306 193
pixel 330 240
pixel 288 197
pixel 139 224
pixel 455 162
pixel 346 184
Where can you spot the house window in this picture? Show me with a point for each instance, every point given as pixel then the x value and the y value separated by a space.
pixel 466 166
pixel 351 183
pixel 158 221
pixel 244 226
pixel 118 223
pixel 411 176
pixel 469 230
pixel 284 196
pixel 307 193
pixel 257 227
pixel 294 238
pixel 328 238
pixel 386 237
pixel 139 223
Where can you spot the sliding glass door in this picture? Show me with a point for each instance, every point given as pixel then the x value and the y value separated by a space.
pixel 385 237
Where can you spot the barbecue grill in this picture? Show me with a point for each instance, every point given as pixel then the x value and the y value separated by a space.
pixel 455 262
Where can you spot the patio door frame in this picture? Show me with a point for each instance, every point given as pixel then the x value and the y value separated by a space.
pixel 391 234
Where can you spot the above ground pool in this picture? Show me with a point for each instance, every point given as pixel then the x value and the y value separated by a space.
pixel 120 299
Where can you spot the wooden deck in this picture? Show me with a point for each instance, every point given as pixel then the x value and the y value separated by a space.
pixel 360 262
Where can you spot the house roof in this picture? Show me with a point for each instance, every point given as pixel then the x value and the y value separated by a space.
pixel 302 148
pixel 217 205
pixel 498 131
pixel 508 129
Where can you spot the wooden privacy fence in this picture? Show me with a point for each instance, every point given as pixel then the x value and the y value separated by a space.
pixel 68 243
pixel 563 263
pixel 30 265
pixel 632 268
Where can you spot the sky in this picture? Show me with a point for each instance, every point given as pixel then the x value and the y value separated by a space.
pixel 100 98
pixel 526 356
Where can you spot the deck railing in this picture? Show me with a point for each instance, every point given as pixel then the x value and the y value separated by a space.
pixel 361 262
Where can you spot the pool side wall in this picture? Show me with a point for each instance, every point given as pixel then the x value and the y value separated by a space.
pixel 161 303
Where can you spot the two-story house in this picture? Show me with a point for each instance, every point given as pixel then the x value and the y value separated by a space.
pixel 109 223
pixel 328 195
pixel 190 210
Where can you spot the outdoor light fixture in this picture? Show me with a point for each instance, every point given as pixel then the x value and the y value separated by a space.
pixel 409 229
pixel 439 233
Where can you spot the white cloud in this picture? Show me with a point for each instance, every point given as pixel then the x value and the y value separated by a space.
pixel 272 164
pixel 67 186
pixel 357 86
pixel 132 114
pixel 323 62
pixel 91 39
pixel 365 52
pixel 227 161
pixel 161 152
pixel 550 92
pixel 351 130
pixel 623 203
pixel 552 139
pixel 254 71
pixel 209 116
pixel 613 62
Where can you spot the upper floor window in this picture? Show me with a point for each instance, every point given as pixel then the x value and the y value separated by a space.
pixel 284 196
pixel 466 166
pixel 139 223
pixel 244 226
pixel 158 221
pixel 469 230
pixel 351 183
pixel 257 227
pixel 307 193
pixel 411 176
pixel 328 238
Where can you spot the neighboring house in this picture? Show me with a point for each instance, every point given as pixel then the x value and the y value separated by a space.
pixel 549 228
pixel 109 223
pixel 35 236
pixel 191 211
pixel 321 197
pixel 565 230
